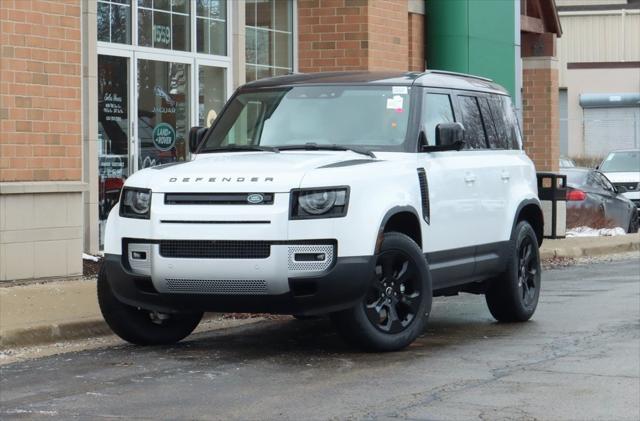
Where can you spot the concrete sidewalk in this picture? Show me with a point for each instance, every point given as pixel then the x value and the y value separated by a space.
pixel 60 310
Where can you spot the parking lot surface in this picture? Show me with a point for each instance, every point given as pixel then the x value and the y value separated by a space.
pixel 578 358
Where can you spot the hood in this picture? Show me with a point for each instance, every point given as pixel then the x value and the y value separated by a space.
pixel 623 177
pixel 240 172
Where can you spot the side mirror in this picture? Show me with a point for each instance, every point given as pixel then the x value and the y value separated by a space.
pixel 196 136
pixel 449 134
pixel 449 137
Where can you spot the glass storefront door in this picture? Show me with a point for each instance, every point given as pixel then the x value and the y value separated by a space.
pixel 163 112
pixel 113 133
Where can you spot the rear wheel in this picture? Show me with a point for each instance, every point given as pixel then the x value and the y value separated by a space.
pixel 633 224
pixel 140 326
pixel 397 305
pixel 513 296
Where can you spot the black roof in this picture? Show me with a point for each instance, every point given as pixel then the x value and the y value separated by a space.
pixel 431 78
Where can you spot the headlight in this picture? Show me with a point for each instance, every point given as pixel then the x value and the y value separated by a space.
pixel 135 203
pixel 319 203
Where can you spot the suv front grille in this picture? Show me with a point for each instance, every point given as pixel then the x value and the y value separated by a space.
pixel 218 198
pixel 205 249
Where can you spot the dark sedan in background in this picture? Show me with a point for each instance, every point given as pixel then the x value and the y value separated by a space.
pixel 594 202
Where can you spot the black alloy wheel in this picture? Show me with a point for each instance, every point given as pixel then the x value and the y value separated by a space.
pixel 527 272
pixel 396 306
pixel 393 300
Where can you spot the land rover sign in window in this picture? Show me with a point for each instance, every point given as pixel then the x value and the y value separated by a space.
pixel 163 112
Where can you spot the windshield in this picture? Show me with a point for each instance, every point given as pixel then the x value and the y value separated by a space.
pixel 374 118
pixel 621 162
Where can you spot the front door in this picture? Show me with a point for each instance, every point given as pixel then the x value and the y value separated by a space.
pixel 450 235
pixel 163 112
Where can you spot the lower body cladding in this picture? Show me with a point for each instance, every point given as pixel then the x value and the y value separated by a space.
pixel 286 277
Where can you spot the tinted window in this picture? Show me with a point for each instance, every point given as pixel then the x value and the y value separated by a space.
pixel 437 109
pixel 515 141
pixel 504 136
pixel 492 135
pixel 474 136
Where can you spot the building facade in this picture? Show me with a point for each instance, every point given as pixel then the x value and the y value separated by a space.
pixel 94 90
pixel 599 80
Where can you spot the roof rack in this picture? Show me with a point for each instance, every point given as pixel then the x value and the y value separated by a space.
pixel 444 72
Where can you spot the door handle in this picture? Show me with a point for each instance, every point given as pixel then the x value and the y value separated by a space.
pixel 505 176
pixel 470 178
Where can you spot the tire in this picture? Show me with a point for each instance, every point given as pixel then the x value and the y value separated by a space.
pixel 136 325
pixel 513 296
pixel 633 223
pixel 397 305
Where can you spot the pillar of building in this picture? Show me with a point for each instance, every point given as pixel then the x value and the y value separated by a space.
pixel 541 132
pixel 40 139
pixel 342 35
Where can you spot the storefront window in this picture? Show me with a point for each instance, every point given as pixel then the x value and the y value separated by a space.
pixel 114 21
pixel 113 133
pixel 211 26
pixel 269 38
pixel 164 24
pixel 163 112
pixel 211 94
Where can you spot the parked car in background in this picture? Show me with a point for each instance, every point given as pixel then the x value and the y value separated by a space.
pixel 593 201
pixel 623 169
pixel 567 162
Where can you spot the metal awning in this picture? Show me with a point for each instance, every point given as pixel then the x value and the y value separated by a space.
pixel 610 100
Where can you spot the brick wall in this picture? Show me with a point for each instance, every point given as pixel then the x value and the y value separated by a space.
pixel 416 43
pixel 540 112
pixel 388 36
pixel 40 97
pixel 342 35
pixel 332 35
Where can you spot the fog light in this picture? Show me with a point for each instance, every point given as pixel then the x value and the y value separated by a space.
pixel 310 257
pixel 139 255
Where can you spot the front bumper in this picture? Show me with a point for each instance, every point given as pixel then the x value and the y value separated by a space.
pixel 337 288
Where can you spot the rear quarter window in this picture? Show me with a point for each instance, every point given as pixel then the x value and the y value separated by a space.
pixel 474 135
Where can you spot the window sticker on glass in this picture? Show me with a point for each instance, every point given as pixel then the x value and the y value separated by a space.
pixel 395 103
pixel 399 90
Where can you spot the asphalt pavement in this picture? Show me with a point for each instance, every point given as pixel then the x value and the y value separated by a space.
pixel 578 358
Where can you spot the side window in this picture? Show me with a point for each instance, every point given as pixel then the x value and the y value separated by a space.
pixel 474 136
pixel 515 141
pixel 437 109
pixel 492 135
pixel 504 136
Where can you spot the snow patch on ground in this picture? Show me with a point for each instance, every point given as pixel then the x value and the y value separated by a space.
pixel 86 256
pixel 595 232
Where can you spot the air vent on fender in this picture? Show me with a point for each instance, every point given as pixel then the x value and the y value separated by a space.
pixel 424 192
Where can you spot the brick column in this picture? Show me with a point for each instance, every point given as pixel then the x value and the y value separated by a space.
pixel 342 35
pixel 540 111
pixel 40 139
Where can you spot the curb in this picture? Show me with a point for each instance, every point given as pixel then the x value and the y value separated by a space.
pixel 589 250
pixel 40 335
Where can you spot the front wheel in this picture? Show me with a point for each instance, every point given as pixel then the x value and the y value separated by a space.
pixel 397 305
pixel 140 326
pixel 513 296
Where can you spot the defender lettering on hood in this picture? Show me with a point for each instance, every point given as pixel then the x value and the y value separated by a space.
pixel 220 179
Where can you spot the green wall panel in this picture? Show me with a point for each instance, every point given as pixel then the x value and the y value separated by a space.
pixel 473 36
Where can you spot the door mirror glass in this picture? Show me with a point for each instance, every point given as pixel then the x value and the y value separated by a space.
pixel 196 136
pixel 449 134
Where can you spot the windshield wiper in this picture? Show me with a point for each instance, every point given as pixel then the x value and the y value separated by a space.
pixel 242 148
pixel 316 147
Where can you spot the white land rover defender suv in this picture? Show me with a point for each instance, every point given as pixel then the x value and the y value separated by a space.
pixel 355 195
